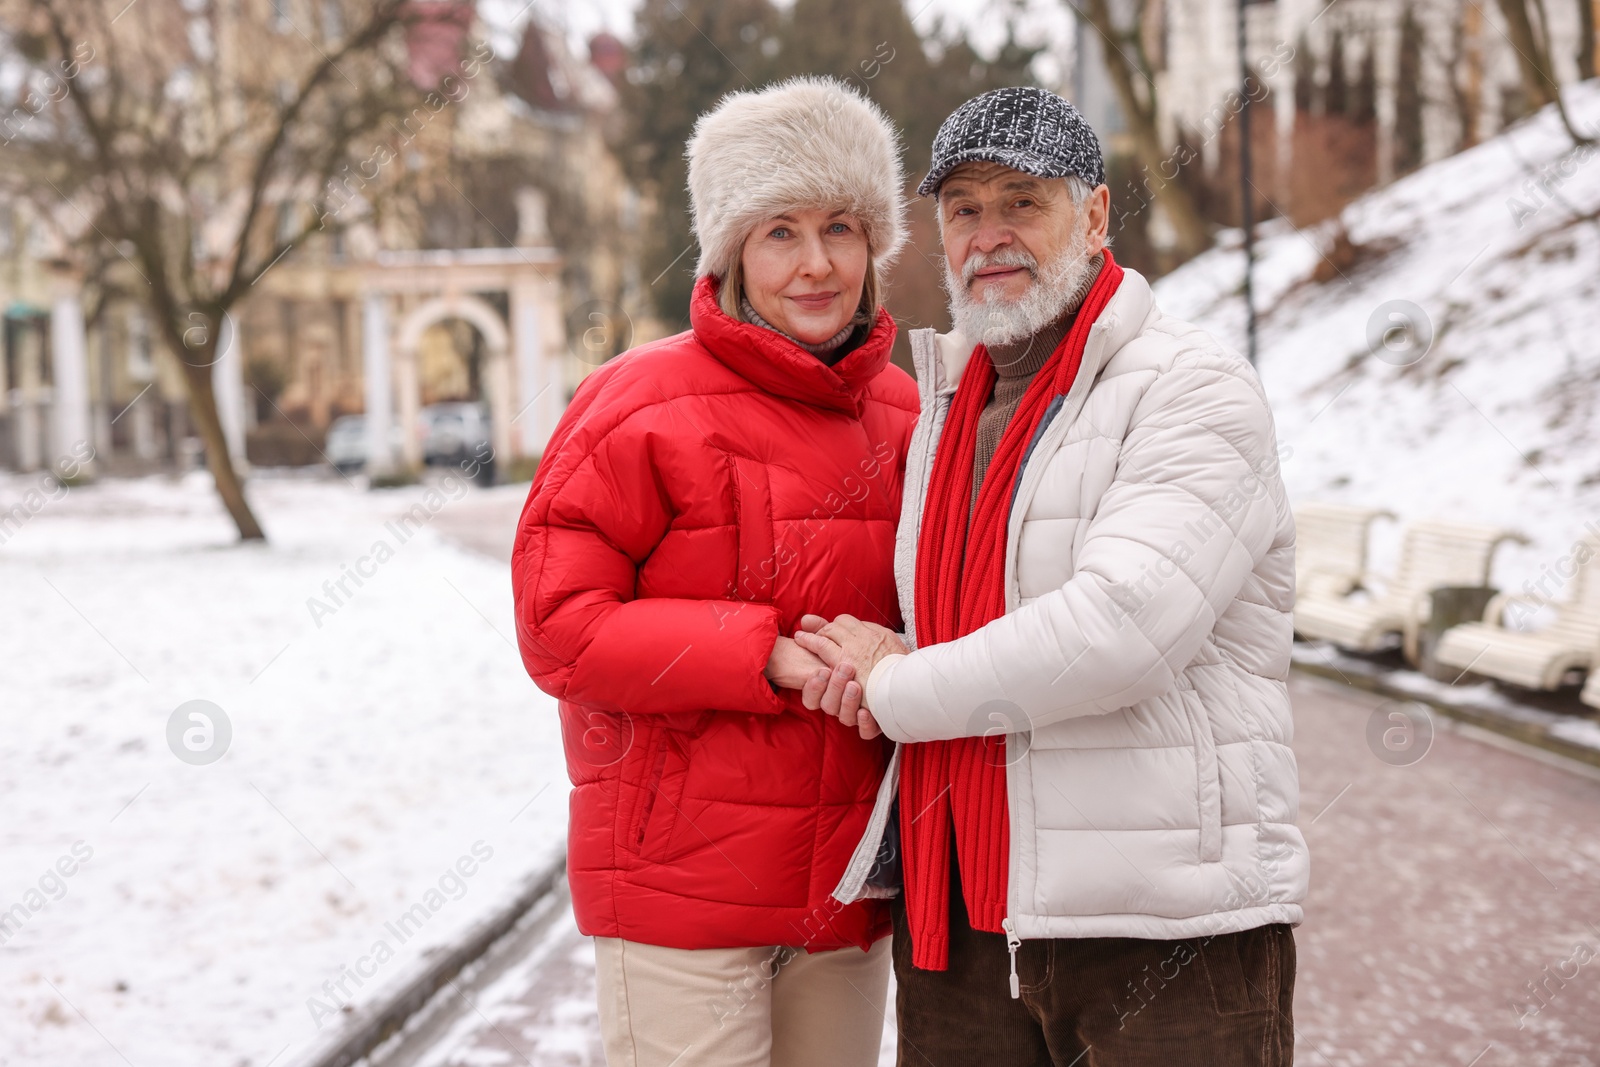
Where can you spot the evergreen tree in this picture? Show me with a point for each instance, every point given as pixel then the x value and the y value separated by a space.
pixel 690 53
pixel 918 80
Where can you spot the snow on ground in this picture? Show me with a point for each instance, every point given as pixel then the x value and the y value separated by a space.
pixel 1499 421
pixel 386 753
pixel 541 1010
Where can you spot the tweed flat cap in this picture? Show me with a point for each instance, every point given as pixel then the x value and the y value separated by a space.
pixel 1027 129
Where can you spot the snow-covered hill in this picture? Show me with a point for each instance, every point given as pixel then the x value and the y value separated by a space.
pixel 1496 420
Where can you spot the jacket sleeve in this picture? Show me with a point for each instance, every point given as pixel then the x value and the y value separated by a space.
pixel 1190 512
pixel 591 520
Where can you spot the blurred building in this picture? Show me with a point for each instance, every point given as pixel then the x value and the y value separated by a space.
pixel 1449 62
pixel 33 291
pixel 1357 91
pixel 506 271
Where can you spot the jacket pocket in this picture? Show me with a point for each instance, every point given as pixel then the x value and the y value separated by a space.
pixel 1245 969
pixel 665 767
pixel 759 561
pixel 1207 772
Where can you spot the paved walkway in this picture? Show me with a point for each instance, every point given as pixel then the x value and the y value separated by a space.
pixel 1443 894
pixel 1454 917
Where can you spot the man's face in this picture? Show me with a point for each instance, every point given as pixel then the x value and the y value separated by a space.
pixel 988 213
pixel 1017 249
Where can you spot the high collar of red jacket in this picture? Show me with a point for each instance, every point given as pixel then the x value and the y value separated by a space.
pixel 768 359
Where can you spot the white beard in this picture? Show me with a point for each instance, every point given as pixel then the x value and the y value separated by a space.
pixel 995 320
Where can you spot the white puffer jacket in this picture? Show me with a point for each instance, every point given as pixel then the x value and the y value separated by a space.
pixel 1140 669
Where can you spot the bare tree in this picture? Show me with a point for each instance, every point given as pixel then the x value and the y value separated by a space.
pixel 203 141
pixel 1586 38
pixel 1532 45
pixel 1133 78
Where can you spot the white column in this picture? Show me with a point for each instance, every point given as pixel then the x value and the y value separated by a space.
pixel 497 375
pixel 143 417
pixel 375 370
pixel 552 364
pixel 227 382
pixel 408 394
pixel 70 367
pixel 26 398
pixel 527 345
pixel 101 391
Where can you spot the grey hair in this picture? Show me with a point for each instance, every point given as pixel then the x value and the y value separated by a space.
pixel 1078 189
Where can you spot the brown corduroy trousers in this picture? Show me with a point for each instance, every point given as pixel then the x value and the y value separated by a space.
pixel 1219 1001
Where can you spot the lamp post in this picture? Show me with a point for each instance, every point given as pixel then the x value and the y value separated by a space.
pixel 1246 204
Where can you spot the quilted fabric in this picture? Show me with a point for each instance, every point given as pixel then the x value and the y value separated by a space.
pixel 699 496
pixel 1141 667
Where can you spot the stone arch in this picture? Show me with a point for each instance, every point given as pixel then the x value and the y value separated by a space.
pixel 470 308
pixel 497 371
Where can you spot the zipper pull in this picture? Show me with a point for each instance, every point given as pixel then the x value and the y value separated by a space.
pixel 1013 942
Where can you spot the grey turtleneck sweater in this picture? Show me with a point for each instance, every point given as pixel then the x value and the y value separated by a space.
pixel 1015 365
pixel 830 351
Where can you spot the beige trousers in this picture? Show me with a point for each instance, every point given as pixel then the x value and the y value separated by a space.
pixel 740 1007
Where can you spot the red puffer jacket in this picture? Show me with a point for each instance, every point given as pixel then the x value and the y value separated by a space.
pixel 698 497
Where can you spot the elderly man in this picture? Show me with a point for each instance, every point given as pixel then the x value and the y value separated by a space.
pixel 1092 784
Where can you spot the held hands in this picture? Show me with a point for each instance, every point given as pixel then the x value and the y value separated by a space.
pixel 829 663
pixel 847 649
pixel 791 666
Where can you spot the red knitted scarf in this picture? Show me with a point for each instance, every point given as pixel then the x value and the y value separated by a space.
pixel 960 587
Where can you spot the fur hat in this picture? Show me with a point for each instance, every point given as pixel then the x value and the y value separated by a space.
pixel 805 142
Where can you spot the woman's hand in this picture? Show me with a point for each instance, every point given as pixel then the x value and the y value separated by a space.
pixel 790 665
pixel 849 649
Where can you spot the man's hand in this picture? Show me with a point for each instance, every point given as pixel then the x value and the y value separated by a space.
pixel 837 694
pixel 850 648
pixel 790 666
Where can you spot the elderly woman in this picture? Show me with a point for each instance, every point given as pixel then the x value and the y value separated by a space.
pixel 700 496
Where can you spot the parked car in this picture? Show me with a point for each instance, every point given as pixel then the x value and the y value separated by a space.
pixel 346 446
pixel 456 433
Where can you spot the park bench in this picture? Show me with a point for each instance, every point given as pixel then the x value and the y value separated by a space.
pixel 1591 687
pixel 1434 553
pixel 1537 659
pixel 1330 553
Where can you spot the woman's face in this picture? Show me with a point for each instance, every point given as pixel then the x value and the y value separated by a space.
pixel 804 269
